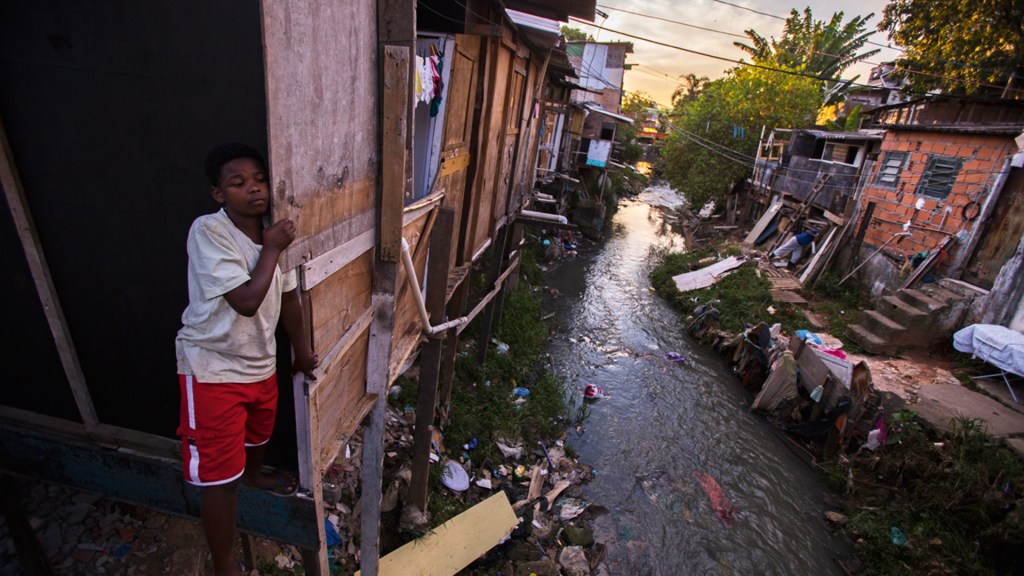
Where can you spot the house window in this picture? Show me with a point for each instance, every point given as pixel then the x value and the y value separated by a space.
pixel 607 131
pixel 889 171
pixel 939 176
pixel 837 152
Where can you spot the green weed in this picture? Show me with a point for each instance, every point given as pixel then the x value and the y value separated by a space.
pixel 952 500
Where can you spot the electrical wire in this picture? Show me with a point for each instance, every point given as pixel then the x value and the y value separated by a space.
pixel 904 90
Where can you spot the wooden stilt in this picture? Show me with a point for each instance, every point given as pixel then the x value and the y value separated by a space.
pixel 430 355
pixel 487 316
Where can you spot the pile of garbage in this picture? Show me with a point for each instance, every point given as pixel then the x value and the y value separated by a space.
pixel 543 485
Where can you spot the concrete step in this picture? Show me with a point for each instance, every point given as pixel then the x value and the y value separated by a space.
pixel 882 326
pixel 964 289
pixel 868 340
pixel 936 292
pixel 920 300
pixel 901 312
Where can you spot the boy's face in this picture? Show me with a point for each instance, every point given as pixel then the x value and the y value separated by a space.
pixel 243 188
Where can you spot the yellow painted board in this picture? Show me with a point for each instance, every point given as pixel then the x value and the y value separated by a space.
pixel 455 544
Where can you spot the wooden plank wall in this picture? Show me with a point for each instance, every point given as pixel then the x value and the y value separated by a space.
pixel 321 64
pixel 457 150
pixel 485 185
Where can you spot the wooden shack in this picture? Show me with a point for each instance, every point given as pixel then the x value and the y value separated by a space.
pixel 107 112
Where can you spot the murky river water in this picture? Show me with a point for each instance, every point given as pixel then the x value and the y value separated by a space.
pixel 666 426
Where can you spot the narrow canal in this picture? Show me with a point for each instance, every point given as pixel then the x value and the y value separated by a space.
pixel 667 433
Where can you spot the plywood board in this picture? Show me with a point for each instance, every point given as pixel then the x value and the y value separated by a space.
pixel 337 397
pixel 455 544
pixel 784 283
pixel 339 301
pixel 787 296
pixel 763 223
pixel 320 60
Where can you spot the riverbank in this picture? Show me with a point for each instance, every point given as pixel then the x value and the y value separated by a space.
pixel 940 495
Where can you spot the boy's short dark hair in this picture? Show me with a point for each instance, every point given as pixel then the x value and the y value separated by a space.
pixel 225 153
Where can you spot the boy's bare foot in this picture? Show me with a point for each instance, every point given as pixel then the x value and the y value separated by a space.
pixel 277 482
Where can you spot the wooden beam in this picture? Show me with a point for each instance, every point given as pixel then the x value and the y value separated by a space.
pixel 28 234
pixel 395 96
pixel 70 459
pixel 430 355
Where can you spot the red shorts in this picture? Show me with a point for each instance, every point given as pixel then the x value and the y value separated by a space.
pixel 218 421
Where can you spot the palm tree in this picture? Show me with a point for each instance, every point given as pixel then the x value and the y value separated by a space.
pixel 689 92
pixel 815 47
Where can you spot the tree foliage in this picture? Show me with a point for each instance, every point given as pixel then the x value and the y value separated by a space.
pixel 958 47
pixel 576 35
pixel 636 105
pixel 714 138
pixel 815 47
pixel 692 87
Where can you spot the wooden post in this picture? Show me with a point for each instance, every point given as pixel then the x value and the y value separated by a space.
pixel 26 227
pixel 863 229
pixel 515 243
pixel 395 98
pixel 456 307
pixel 430 354
pixel 488 314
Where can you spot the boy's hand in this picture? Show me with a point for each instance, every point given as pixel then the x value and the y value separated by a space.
pixel 279 235
pixel 306 363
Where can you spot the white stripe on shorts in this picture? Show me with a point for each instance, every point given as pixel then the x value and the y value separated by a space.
pixel 193 461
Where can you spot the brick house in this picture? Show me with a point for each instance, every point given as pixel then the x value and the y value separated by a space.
pixel 940 171
pixel 942 205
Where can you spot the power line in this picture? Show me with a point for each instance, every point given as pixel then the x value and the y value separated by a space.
pixel 763 67
pixel 677 22
pixel 889 46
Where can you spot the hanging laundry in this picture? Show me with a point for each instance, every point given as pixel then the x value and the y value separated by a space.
pixel 424 81
pixel 419 77
pixel 436 65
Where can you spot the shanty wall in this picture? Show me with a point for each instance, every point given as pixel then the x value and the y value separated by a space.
pixel 800 175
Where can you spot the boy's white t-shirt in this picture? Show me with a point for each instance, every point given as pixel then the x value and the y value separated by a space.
pixel 216 343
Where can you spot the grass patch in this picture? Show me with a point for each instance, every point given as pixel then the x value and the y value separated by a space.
pixel 840 304
pixel 955 502
pixel 741 298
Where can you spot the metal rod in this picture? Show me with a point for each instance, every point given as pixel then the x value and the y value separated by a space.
pixel 886 243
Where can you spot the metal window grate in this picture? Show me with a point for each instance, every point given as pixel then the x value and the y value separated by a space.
pixel 890 168
pixel 939 176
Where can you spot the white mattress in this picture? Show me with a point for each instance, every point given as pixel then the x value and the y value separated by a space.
pixel 997 345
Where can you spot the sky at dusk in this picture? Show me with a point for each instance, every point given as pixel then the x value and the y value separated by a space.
pixel 657 68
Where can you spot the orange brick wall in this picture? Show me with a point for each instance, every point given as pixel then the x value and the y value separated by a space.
pixel 983 159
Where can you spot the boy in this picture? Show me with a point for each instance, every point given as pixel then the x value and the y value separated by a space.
pixel 794 247
pixel 226 348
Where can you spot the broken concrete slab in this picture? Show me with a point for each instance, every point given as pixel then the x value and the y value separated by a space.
pixel 941 404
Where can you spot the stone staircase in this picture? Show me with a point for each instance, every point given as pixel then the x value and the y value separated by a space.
pixel 914 318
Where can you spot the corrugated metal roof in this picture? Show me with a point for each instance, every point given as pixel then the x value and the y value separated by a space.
pixel 859 135
pixel 595 108
pixel 556 9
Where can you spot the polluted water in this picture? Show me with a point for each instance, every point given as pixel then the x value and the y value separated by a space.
pixel 693 483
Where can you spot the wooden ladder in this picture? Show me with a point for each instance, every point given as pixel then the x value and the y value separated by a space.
pixel 804 207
